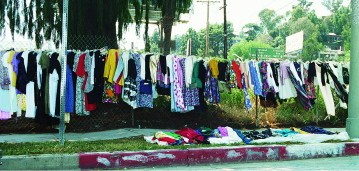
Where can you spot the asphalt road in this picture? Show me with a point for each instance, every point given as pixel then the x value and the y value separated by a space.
pixel 339 163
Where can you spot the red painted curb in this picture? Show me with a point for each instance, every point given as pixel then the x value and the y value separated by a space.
pixel 213 155
pixel 232 154
pixel 351 149
pixel 133 159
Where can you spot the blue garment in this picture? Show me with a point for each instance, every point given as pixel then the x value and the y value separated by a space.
pixel 316 130
pixel 145 87
pixel 247 98
pixel 243 137
pixel 119 68
pixel 285 132
pixel 255 79
pixel 70 99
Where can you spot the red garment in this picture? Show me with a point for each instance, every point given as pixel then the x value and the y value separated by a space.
pixel 80 71
pixel 191 134
pixel 167 139
pixel 237 71
pixel 89 107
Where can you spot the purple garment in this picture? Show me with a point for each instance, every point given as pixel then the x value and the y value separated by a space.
pixel 283 71
pixel 178 81
pixel 15 65
pixel 5 115
pixel 223 131
pixel 15 62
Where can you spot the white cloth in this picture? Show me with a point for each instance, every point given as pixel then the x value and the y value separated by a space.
pixel 286 88
pixel 295 73
pixel 12 90
pixel 53 80
pixel 270 79
pixel 5 105
pixel 230 139
pixel 340 73
pixel 153 67
pixel 305 138
pixel 169 62
pixel 125 57
pixel 25 55
pixel 92 81
pixel 143 67
pixel 326 93
pixel 30 100
pixel 39 69
pixel 189 61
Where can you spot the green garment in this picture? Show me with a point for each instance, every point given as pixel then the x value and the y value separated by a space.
pixel 45 64
pixel 196 82
pixel 173 135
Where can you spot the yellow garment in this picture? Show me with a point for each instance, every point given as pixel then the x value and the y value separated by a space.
pixel 122 81
pixel 67 118
pixel 21 100
pixel 110 65
pixel 299 131
pixel 13 74
pixel 213 65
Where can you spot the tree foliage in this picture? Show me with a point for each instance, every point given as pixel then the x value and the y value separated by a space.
pixel 216 37
pixel 274 29
pixel 42 19
pixel 242 49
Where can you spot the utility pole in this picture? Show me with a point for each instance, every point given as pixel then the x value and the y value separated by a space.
pixel 207 28
pixel 352 125
pixel 225 29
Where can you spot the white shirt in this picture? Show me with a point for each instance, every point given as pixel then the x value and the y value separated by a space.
pixel 53 80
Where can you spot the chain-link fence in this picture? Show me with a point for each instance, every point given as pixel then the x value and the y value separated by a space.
pixel 230 112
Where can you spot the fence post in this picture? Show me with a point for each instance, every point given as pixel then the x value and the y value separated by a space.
pixel 63 73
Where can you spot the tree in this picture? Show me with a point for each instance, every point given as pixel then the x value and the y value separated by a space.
pixel 251 30
pixel 301 10
pixel 216 38
pixel 332 5
pixel 154 41
pixel 169 9
pixel 242 49
pixel 194 36
pixel 43 19
pixel 311 35
pixel 269 20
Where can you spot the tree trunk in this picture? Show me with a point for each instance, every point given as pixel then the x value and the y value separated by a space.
pixel 168 18
pixel 147 41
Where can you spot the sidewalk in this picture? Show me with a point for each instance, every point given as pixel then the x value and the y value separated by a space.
pixel 146 158
pixel 91 136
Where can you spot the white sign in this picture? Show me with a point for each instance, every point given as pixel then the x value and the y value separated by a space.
pixel 294 42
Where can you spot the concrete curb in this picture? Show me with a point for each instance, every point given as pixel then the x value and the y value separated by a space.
pixel 215 155
pixel 193 156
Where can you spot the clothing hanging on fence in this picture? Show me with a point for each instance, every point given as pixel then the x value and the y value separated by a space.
pixel 30 81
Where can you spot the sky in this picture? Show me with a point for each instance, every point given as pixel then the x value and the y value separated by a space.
pixel 239 12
